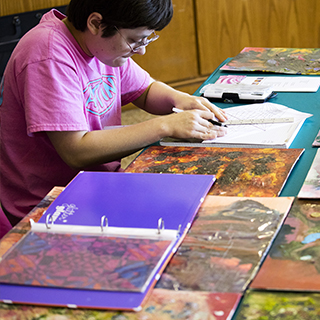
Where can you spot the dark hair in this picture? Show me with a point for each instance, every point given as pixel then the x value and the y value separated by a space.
pixel 129 14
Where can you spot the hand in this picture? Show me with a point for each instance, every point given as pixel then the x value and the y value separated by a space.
pixel 185 101
pixel 193 124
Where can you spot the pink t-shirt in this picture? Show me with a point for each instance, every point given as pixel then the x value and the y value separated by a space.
pixel 50 84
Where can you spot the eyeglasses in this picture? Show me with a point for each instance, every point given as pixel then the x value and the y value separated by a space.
pixel 143 43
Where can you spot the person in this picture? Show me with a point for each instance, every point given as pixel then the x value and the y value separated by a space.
pixel 62 92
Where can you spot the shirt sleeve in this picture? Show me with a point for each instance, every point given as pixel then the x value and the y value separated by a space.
pixel 53 100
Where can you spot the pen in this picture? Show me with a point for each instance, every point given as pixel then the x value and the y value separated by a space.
pixel 217 123
pixel 214 122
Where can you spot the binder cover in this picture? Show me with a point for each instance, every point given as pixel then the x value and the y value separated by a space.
pixel 157 208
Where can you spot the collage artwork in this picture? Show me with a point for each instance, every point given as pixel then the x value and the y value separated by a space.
pixel 276 60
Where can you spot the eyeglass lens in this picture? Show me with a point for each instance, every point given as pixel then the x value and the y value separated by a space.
pixel 143 43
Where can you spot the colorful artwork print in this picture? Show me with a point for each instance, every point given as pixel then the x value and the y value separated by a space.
pixel 279 305
pixel 316 142
pixel 82 261
pixel 230 79
pixel 278 60
pixel 243 172
pixel 162 304
pixel 311 185
pixel 224 247
pixel 293 262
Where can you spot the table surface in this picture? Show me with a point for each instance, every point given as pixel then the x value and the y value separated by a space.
pixel 305 102
pixel 301 101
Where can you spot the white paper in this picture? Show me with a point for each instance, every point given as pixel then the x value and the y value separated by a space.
pixel 285 84
pixel 280 134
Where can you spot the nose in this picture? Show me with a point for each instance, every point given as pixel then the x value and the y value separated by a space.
pixel 141 51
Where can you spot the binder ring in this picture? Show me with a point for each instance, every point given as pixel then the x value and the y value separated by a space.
pixel 179 231
pixel 104 223
pixel 49 219
pixel 160 225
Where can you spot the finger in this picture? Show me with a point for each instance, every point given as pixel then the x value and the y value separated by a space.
pixel 205 130
pixel 218 112
pixel 206 119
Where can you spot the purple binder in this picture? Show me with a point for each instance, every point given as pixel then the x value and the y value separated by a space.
pixel 127 200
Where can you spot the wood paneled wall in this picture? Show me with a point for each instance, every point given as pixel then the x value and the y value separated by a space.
pixel 225 27
pixel 173 56
pixel 8 7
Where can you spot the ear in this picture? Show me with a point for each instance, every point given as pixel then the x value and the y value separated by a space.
pixel 94 22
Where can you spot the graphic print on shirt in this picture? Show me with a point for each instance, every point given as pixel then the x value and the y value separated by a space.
pixel 100 95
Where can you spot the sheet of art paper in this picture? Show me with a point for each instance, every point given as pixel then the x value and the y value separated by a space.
pixel 278 60
pixel 162 304
pixel 242 172
pixel 293 262
pixel 311 185
pixel 279 305
pixel 226 244
pixel 82 261
pixel 316 142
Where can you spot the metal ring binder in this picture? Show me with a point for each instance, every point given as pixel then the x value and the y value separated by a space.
pixel 104 220
pixel 48 218
pixel 179 231
pixel 160 225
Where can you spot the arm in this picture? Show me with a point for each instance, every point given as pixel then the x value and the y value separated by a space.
pixel 80 149
pixel 159 98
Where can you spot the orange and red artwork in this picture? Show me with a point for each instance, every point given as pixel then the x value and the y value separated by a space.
pixel 243 172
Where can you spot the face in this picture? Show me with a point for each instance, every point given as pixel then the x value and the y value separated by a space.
pixel 114 51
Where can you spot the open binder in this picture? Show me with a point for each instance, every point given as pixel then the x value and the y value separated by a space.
pixel 104 242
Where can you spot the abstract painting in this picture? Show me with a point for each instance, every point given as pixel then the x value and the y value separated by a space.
pixel 278 60
pixel 293 262
pixel 279 305
pixel 162 304
pixel 311 185
pixel 82 261
pixel 243 172
pixel 226 243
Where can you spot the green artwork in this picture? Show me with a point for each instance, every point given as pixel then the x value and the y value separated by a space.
pixel 259 305
pixel 295 251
